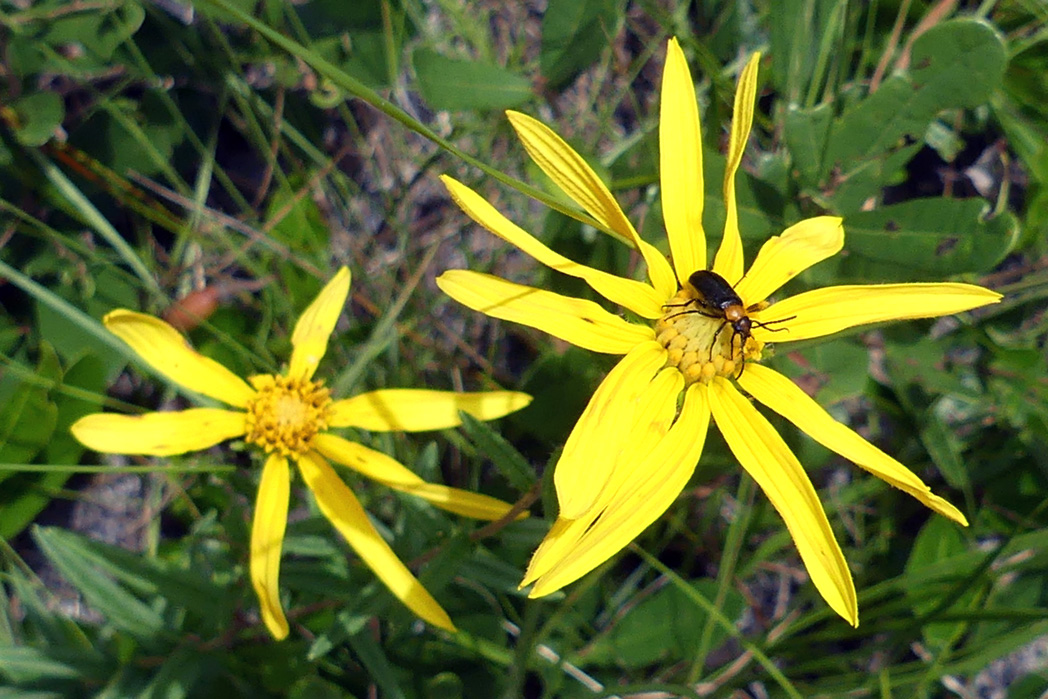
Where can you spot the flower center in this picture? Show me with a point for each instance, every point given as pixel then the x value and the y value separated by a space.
pixel 286 413
pixel 701 346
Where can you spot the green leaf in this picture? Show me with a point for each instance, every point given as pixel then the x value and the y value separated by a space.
pixel 28 665
pixel 939 540
pixel 805 132
pixel 838 368
pixel 26 422
pixel 149 577
pixel 39 114
pixel 492 445
pixel 574 32
pixel 666 625
pixel 373 657
pixel 954 64
pixel 924 239
pixel 945 449
pixel 66 551
pixel 449 83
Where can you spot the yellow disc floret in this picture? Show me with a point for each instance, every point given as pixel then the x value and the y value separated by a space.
pixel 287 413
pixel 699 345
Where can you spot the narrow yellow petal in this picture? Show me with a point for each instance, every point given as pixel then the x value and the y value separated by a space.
pixel 680 165
pixel 831 309
pixel 729 261
pixel 640 499
pixel 562 538
pixel 586 464
pixel 629 293
pixel 783 257
pixel 166 351
pixel 765 456
pixel 391 473
pixel 580 322
pixel 784 397
pixel 310 339
pixel 158 434
pixel 657 407
pixel 417 410
pixel 577 179
pixel 338 503
pixel 267 538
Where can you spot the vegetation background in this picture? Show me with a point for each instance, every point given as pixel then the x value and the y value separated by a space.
pixel 220 160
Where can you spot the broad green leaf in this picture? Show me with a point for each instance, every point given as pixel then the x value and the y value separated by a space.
pixel 99 33
pixel 954 64
pixel 574 32
pixel 38 114
pixel 924 239
pixel 664 626
pixel 806 132
pixel 449 83
pixel 26 423
pixel 837 367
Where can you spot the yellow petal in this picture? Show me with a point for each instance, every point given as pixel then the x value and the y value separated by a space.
pixel 166 351
pixel 765 456
pixel 310 339
pixel 643 496
pixel 388 471
pixel 158 434
pixel 636 296
pixel 783 257
pixel 834 308
pixel 338 503
pixel 578 180
pixel 562 537
pixel 680 165
pixel 580 322
pixel 657 407
pixel 729 262
pixel 787 399
pixel 267 538
pixel 586 464
pixel 416 410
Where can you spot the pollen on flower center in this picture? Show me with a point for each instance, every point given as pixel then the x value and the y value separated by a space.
pixel 287 413
pixel 701 346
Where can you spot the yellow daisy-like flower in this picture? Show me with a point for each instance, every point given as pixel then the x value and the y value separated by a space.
pixel 290 416
pixel 640 437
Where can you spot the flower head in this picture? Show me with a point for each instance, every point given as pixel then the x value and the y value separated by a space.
pixel 639 438
pixel 289 417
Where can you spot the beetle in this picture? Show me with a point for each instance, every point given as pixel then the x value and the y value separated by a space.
pixel 718 299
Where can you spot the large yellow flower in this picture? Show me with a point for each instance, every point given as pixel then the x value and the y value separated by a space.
pixel 639 439
pixel 289 416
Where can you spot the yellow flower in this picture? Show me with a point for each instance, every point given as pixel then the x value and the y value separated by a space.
pixel 290 416
pixel 639 439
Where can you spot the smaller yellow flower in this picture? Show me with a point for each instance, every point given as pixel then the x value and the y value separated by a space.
pixel 289 417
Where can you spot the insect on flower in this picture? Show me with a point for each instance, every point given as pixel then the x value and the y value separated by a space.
pixel 716 298
pixel 636 445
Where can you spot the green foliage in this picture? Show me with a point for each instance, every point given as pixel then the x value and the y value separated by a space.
pixel 448 83
pixel 227 165
pixel 573 36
